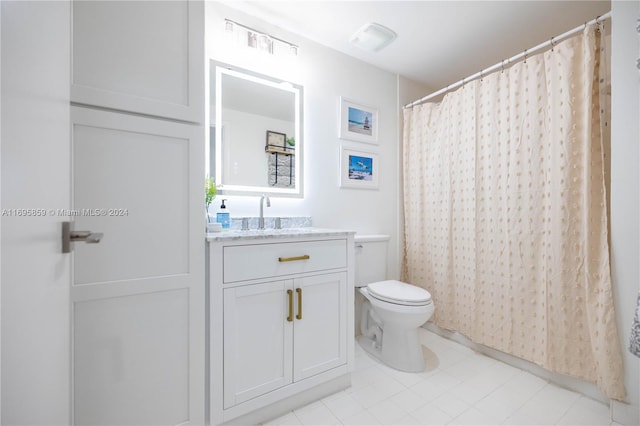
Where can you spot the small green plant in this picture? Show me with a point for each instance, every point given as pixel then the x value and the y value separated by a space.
pixel 210 191
pixel 291 141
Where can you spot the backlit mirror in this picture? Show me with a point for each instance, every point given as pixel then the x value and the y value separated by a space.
pixel 255 139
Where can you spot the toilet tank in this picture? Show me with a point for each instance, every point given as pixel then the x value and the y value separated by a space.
pixel 371 259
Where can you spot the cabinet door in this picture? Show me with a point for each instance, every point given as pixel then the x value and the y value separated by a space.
pixel 320 336
pixel 257 340
pixel 140 56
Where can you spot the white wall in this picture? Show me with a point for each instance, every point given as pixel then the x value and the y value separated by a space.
pixel 325 75
pixel 625 211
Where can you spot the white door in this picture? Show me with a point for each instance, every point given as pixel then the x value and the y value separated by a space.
pixel 258 329
pixel 138 296
pixel 35 183
pixel 320 330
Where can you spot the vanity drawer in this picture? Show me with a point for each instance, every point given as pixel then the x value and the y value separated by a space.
pixel 254 261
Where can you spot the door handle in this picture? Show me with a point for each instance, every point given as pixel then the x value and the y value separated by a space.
pixel 294 258
pixel 290 295
pixel 69 236
pixel 299 291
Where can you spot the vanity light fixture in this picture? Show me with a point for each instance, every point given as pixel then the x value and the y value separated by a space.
pixel 372 37
pixel 265 43
pixel 258 40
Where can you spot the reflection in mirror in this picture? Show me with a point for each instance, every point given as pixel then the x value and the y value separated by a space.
pixel 255 143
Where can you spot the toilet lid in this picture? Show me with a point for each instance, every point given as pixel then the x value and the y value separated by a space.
pixel 400 293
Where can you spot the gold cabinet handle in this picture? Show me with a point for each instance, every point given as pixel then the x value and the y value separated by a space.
pixel 290 295
pixel 294 258
pixel 299 291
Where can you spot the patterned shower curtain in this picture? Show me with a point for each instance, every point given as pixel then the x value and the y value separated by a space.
pixel 505 211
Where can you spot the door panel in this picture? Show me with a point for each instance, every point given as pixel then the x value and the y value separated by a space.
pixel 257 340
pixel 140 56
pixel 138 295
pixel 121 344
pixel 146 225
pixel 320 335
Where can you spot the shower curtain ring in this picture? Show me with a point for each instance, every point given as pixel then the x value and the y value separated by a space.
pixel 599 24
pixel 525 56
pixel 553 44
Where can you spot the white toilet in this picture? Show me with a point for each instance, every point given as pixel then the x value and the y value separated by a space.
pixel 393 310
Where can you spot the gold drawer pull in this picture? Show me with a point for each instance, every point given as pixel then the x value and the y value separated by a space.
pixel 290 294
pixel 299 291
pixel 294 258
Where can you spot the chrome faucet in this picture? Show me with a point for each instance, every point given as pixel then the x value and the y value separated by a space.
pixel 261 220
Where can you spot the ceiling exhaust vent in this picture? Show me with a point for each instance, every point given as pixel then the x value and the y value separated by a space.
pixel 373 37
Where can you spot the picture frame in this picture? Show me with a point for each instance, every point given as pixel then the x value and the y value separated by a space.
pixel 358 168
pixel 277 142
pixel 358 122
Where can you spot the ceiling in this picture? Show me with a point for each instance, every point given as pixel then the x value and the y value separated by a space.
pixel 439 42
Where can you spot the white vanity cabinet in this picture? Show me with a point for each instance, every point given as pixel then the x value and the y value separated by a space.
pixel 281 311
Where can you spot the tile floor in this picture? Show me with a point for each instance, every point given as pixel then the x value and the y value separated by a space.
pixel 458 387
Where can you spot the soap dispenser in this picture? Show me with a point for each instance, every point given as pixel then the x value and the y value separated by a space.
pixel 223 216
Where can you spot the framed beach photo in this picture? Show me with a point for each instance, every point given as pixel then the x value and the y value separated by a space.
pixel 358 122
pixel 358 169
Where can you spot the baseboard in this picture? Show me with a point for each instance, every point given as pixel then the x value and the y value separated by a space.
pixel 625 414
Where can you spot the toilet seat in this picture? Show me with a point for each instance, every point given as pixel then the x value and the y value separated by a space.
pixel 399 293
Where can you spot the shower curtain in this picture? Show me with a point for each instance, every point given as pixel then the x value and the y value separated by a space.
pixel 505 212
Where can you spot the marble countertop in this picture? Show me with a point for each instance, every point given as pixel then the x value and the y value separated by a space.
pixel 254 234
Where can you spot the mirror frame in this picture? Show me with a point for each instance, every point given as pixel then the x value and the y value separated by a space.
pixel 230 189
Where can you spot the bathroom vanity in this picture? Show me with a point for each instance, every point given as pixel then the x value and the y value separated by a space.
pixel 280 320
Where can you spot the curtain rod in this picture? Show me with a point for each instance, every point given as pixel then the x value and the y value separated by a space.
pixel 507 62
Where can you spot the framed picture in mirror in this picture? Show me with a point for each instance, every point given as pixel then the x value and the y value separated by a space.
pixel 277 142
